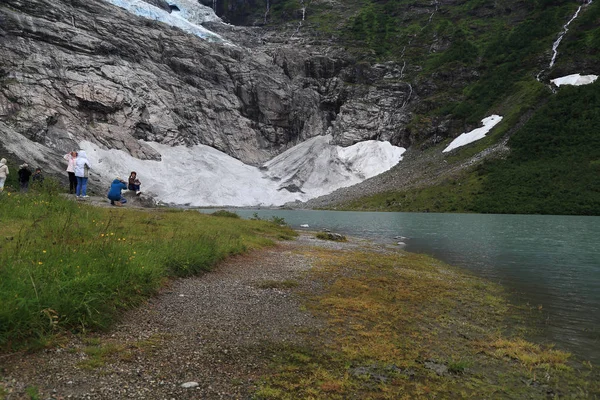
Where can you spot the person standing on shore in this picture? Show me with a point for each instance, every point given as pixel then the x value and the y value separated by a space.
pixel 71 159
pixel 82 166
pixel 24 175
pixel 3 173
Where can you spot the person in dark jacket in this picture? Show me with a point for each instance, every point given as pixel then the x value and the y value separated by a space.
pixel 24 175
pixel 37 177
pixel 114 194
pixel 134 183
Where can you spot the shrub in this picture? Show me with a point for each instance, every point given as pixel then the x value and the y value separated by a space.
pixel 225 213
pixel 331 236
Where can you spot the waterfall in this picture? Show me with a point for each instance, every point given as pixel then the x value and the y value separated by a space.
pixel 433 13
pixel 405 102
pixel 267 11
pixel 564 32
pixel 402 70
pixel 215 6
pixel 302 20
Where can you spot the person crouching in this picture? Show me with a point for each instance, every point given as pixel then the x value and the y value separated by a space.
pixel 114 194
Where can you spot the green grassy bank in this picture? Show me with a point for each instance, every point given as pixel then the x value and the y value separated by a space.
pixel 68 266
pixel 407 326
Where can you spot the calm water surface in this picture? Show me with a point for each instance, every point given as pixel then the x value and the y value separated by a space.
pixel 547 261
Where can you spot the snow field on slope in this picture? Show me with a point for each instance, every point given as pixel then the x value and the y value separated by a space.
pixel 202 176
pixel 475 134
pixel 575 80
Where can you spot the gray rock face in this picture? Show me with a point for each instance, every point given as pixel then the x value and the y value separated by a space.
pixel 73 70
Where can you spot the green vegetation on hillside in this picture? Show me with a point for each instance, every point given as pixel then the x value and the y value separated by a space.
pixel 505 44
pixel 452 195
pixel 552 168
pixel 65 265
pixel 554 163
pixel 482 58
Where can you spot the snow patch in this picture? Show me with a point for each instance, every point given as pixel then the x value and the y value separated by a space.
pixel 188 19
pixel 475 134
pixel 319 168
pixel 202 176
pixel 575 80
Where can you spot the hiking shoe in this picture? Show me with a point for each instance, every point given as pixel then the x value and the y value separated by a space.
pixel 138 193
pixel 86 196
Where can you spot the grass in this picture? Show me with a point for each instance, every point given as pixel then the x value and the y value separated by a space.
pixel 68 266
pixel 98 353
pixel 33 392
pixel 453 194
pixel 225 213
pixel 390 317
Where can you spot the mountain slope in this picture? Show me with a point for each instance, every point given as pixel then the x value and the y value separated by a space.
pixel 416 74
pixel 471 59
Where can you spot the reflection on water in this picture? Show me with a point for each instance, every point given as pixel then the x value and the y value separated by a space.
pixel 547 261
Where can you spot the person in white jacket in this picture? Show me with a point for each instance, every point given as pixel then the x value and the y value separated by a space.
pixel 71 158
pixel 3 173
pixel 82 166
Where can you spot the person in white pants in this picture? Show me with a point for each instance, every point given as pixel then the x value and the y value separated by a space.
pixel 3 173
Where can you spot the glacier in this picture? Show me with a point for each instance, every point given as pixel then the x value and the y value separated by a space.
pixel 188 19
pixel 201 176
pixel 318 168
pixel 475 134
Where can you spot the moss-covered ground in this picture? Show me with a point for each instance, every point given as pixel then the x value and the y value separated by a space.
pixel 406 326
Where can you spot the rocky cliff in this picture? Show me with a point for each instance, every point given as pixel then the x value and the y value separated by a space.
pixel 75 70
pixel 412 73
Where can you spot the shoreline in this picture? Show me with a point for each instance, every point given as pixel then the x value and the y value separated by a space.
pixel 348 319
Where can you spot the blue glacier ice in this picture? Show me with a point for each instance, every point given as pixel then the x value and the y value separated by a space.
pixel 177 19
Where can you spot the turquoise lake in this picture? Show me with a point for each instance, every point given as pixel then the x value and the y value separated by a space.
pixel 547 262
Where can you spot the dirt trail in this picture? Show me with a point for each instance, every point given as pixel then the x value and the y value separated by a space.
pixel 217 330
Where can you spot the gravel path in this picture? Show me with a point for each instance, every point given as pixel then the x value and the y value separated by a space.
pixel 217 330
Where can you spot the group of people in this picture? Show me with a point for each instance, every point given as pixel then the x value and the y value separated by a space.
pixel 25 175
pixel 78 167
pixel 118 184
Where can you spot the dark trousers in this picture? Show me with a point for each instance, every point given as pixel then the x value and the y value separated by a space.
pixel 72 182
